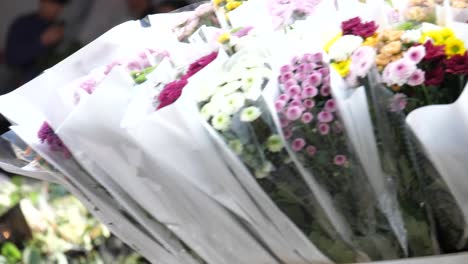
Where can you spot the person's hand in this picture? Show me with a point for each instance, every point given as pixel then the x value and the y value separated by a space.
pixel 52 36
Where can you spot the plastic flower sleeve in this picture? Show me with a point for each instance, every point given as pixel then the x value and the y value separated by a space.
pixel 155 184
pixel 312 125
pixel 447 154
pixel 237 111
pixel 264 219
pixel 44 92
pixel 423 194
pixel 98 201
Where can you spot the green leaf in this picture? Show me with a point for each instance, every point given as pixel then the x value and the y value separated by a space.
pixel 17 180
pixel 32 255
pixel 11 252
pixel 15 198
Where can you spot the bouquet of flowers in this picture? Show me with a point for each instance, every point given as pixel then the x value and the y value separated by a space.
pixel 404 50
pixel 310 120
pixel 236 144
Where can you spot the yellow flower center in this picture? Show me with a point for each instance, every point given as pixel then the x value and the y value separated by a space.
pixel 233 5
pixel 342 67
pixel 224 38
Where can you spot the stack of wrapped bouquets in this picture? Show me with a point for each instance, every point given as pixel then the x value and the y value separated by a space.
pixel 262 131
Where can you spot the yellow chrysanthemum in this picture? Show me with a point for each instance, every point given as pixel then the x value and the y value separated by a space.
pixel 218 2
pixel 434 35
pixel 332 41
pixel 454 46
pixel 446 34
pixel 371 41
pixel 342 67
pixel 233 5
pixel 224 38
pixel 439 37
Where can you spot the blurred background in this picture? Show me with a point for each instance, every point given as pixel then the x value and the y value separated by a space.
pixel 41 222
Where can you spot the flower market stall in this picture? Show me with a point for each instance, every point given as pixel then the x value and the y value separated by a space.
pixel 263 131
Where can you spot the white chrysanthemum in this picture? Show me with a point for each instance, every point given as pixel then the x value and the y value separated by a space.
pixel 275 143
pixel 264 171
pixel 221 121
pixel 252 85
pixel 229 87
pixel 236 146
pixel 342 49
pixel 413 35
pixel 250 114
pixel 233 103
pixel 205 91
pixel 209 110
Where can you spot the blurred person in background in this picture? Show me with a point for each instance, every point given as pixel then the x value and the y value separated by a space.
pixel 170 5
pixel 140 8
pixel 33 38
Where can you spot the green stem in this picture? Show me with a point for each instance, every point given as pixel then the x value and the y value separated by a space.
pixel 426 95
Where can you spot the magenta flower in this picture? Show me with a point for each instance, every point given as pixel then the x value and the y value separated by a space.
pixel 293 90
pixel 300 76
pixel 89 85
pixel 309 92
pixel 315 79
pixel 363 53
pixel 362 61
pixel 279 105
pixel 296 103
pixel 433 52
pixel 325 72
pixel 309 67
pixel 435 76
pixel 284 122
pixel 324 129
pixel 348 26
pixel 171 93
pixel 289 83
pixel 311 150
pixel 307 118
pixel 340 160
pixel 416 54
pixel 398 102
pixel 293 113
pixel 309 103
pixel 325 117
pixel 111 66
pixel 284 97
pixel 401 70
pixel 312 58
pixel 457 64
pixel 47 135
pixel 297 97
pixel 330 105
pixel 285 69
pixel 301 67
pixel 417 78
pixel 288 133
pixel 298 144
pixel 325 91
pixel 286 76
pixel 354 26
pixel 295 60
pixel 242 32
pixel 200 64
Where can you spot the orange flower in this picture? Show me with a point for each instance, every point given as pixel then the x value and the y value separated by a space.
pixel 392 48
